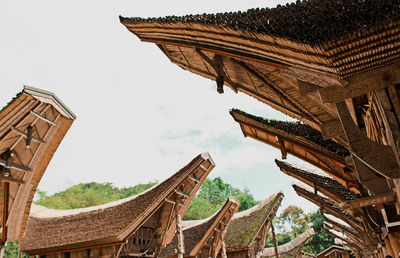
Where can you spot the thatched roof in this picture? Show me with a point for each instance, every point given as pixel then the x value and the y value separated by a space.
pixel 246 225
pixel 292 248
pixel 295 129
pixel 310 22
pixel 328 206
pixel 197 233
pixel 325 184
pixel 113 222
pixel 40 116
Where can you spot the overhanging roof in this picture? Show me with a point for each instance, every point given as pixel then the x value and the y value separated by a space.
pixel 299 140
pixel 55 231
pixel 327 185
pixel 283 56
pixel 246 225
pixel 32 126
pixel 200 233
pixel 329 206
pixel 292 248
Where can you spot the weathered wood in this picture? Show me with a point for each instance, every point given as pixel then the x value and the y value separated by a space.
pixel 306 87
pixel 367 201
pixel 179 234
pixel 275 241
pixel 181 193
pixel 282 147
pixel 223 246
pixel 378 157
pixel 362 84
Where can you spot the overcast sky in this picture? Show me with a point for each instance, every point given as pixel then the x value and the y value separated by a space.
pixel 140 117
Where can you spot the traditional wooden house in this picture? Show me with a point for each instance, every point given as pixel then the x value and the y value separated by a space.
pixel 204 238
pixel 138 226
pixel 32 126
pixel 248 230
pixel 334 252
pixel 332 64
pixel 293 249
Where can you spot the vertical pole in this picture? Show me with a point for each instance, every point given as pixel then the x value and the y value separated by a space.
pixel 5 212
pixel 394 243
pixel 275 242
pixel 389 246
pixel 223 246
pixel 179 233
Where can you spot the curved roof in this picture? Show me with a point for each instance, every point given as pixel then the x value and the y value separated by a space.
pixel 197 233
pixel 329 206
pixel 49 230
pixel 293 247
pixel 32 126
pixel 327 185
pixel 246 225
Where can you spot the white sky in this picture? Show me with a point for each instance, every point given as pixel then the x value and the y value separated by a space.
pixel 140 118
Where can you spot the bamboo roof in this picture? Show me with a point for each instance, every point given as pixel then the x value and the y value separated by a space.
pixel 299 140
pixel 54 231
pixel 32 125
pixel 327 185
pixel 205 232
pixel 246 225
pixel 329 206
pixel 291 249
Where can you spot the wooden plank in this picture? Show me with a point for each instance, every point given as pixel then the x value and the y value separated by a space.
pixel 43 118
pixel 10 179
pixel 367 201
pixel 362 84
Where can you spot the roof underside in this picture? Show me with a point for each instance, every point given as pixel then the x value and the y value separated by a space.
pixel 116 222
pixel 246 225
pixel 283 56
pixel 40 118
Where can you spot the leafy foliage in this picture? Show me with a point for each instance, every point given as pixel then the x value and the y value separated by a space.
pixel 293 221
pixel 213 194
pixel 12 250
pixel 321 240
pixel 89 194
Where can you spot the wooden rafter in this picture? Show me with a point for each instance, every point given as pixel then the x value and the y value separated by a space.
pixel 278 91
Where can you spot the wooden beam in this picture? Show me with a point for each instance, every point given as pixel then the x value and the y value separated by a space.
pixel 10 179
pixel 181 193
pixel 6 198
pixel 36 139
pixel 332 129
pixel 281 93
pixel 14 165
pixel 275 241
pixel 282 147
pixel 367 201
pixel 362 84
pixel 43 118
pixel 179 234
pixel 194 179
pixel 306 87
pixel 376 156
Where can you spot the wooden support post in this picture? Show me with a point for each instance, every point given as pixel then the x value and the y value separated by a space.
pixel 282 147
pixel 179 233
pixel 5 215
pixel 223 246
pixel 29 136
pixel 274 240
pixel 388 246
pixel 394 243
pixel 367 201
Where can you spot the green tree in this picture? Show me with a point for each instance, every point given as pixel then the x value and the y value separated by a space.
pixel 321 239
pixel 213 194
pixel 88 194
pixel 289 224
pixel 12 250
